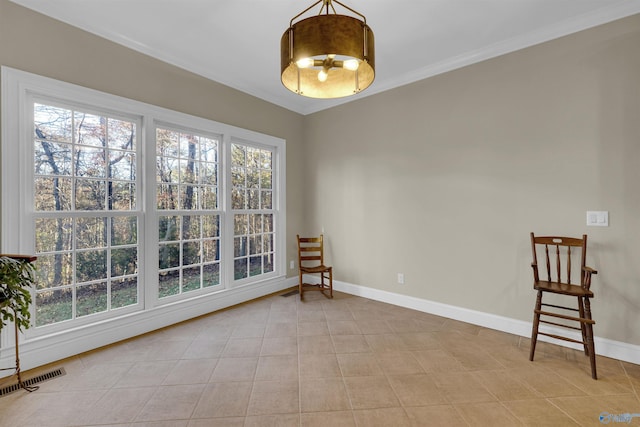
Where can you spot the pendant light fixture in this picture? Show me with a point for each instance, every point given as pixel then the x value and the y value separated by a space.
pixel 327 55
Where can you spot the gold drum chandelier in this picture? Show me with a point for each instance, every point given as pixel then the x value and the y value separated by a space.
pixel 327 55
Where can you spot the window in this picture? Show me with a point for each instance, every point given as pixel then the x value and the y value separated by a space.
pixel 132 208
pixel 84 212
pixel 251 201
pixel 189 223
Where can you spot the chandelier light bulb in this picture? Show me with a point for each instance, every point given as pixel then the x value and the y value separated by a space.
pixel 322 75
pixel 305 63
pixel 351 64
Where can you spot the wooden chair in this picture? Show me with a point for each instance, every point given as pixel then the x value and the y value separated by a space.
pixel 558 252
pixel 311 261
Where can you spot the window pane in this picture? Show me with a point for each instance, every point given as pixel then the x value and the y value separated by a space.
pixel 169 256
pixel 265 179
pixel 90 161
pixel 266 200
pixel 121 134
pixel 240 268
pixel 240 224
pixel 90 194
pixel 51 158
pixel 124 261
pixel 209 173
pixel 188 197
pixel 209 198
pixel 209 150
pixel 210 250
pixel 167 170
pixel 169 283
pixel 124 230
pixel 253 157
pixel 267 263
pixel 191 278
pixel 211 275
pixel 167 143
pixel 91 299
pixel 255 245
pixel 255 223
pixel 190 253
pixel 255 265
pixel 268 223
pixel 253 199
pixel 124 292
pixel 188 170
pixel 122 165
pixel 52 123
pixel 91 233
pixel 54 234
pixel 169 228
pixel 54 306
pixel 268 243
pixel 253 178
pixel 210 226
pixel 191 227
pixel 122 196
pixel 238 177
pixel 240 246
pixel 238 198
pixel 267 159
pixel 90 129
pixel 238 155
pixel 52 194
pixel 91 265
pixel 54 270
pixel 167 197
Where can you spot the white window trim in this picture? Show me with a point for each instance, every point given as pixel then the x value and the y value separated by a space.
pixel 38 348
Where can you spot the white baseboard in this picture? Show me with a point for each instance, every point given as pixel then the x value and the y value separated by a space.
pixel 51 348
pixel 604 347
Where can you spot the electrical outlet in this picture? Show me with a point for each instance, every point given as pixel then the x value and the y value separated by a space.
pixel 291 265
pixel 401 278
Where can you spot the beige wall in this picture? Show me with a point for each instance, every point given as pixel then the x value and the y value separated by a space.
pixel 40 45
pixel 443 179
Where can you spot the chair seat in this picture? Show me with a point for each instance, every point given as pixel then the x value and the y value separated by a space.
pixel 562 288
pixel 316 269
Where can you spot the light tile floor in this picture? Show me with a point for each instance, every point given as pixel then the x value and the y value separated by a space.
pixel 348 361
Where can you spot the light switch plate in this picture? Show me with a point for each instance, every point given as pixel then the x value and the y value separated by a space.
pixel 598 218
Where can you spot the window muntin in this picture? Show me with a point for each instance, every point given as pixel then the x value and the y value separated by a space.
pixel 84 173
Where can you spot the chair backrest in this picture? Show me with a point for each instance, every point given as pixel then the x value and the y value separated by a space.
pixel 559 257
pixel 310 251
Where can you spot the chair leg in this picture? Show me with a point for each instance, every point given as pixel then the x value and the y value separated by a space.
pixel 590 344
pixel 583 325
pixel 331 283
pixel 300 291
pixel 536 322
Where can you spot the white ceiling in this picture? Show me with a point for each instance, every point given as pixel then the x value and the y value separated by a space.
pixel 237 42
